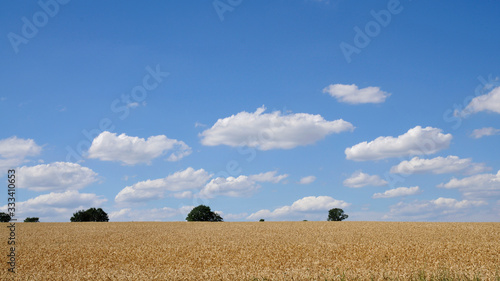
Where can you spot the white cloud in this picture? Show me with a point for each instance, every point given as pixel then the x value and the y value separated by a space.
pixel 398 192
pixel 198 124
pixel 300 207
pixel 265 213
pixel 443 209
pixel 120 214
pixel 439 165
pixel 482 186
pixel 14 147
pixel 319 203
pixel 7 164
pixel 240 186
pixel 133 150
pixel 274 130
pixel 132 105
pixel 455 204
pixel 353 95
pixel 58 176
pixel 14 150
pixel 360 179
pixel 417 141
pixel 156 214
pixel 231 186
pixel 268 177
pixel 183 150
pixel 183 183
pixel 185 180
pixel 57 206
pixel 488 102
pixel 183 195
pixel 307 180
pixel 479 133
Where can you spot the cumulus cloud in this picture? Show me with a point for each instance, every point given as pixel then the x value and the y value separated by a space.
pixel 453 203
pixel 482 186
pixel 274 130
pixel 483 132
pixel 360 179
pixel 300 207
pixel 57 206
pixel 181 181
pixel 183 195
pixel 133 150
pixel 398 192
pixel 318 203
pixel 307 180
pixel 14 150
pixel 445 209
pixel 240 186
pixel 184 184
pixel 439 165
pixel 231 186
pixel 58 176
pixel 15 147
pixel 353 95
pixel 489 102
pixel 417 141
pixel 156 214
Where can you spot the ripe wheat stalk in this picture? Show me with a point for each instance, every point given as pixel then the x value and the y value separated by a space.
pixel 256 251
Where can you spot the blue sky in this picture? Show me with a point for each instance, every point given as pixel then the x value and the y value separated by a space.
pixel 259 109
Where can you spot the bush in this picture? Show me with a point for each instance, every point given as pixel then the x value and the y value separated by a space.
pixel 203 213
pixel 262 220
pixel 337 214
pixel 33 219
pixel 91 214
pixel 4 217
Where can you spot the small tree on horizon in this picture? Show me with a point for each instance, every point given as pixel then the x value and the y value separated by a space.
pixel 33 219
pixel 92 214
pixel 203 213
pixel 4 217
pixel 337 214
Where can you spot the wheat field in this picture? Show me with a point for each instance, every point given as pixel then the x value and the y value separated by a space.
pixel 255 251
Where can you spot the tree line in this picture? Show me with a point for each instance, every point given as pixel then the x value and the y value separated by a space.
pixel 199 213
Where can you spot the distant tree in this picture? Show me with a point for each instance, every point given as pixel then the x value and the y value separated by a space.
pixel 80 216
pixel 33 219
pixel 203 213
pixel 4 217
pixel 91 214
pixel 337 214
pixel 262 220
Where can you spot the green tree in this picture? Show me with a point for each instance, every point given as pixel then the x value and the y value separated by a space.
pixel 336 214
pixel 33 219
pixel 91 214
pixel 4 217
pixel 203 213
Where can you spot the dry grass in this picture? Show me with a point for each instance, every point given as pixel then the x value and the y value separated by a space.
pixel 255 251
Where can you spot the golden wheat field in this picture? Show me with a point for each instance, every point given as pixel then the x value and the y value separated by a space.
pixel 255 251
